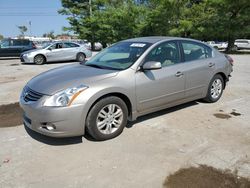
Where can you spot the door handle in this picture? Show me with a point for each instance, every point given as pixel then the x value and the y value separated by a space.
pixel 179 73
pixel 211 64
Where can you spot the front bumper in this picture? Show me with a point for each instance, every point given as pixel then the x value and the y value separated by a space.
pixel 26 59
pixel 65 121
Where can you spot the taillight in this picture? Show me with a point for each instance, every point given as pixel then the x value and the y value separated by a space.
pixel 33 45
pixel 230 59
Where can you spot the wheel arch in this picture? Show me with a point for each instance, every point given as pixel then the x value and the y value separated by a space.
pixel 122 96
pixel 45 58
pixel 225 78
pixel 81 53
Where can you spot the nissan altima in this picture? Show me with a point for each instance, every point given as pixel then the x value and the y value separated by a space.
pixel 58 51
pixel 129 79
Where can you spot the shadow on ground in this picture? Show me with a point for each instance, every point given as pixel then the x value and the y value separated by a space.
pixel 53 141
pixel 161 113
pixel 9 58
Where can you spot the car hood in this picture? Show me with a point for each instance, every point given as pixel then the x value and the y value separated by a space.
pixel 34 50
pixel 61 78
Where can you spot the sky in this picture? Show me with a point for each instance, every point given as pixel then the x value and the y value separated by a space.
pixel 42 14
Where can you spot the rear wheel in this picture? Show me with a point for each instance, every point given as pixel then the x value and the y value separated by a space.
pixel 80 57
pixel 215 89
pixel 107 118
pixel 39 59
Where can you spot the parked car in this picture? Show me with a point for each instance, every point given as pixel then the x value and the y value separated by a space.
pixel 241 44
pixel 97 46
pixel 124 81
pixel 14 47
pixel 218 45
pixel 58 51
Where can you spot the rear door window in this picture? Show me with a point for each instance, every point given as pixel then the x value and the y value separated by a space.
pixel 194 51
pixel 20 42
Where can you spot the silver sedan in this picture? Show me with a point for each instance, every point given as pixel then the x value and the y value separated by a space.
pixel 127 80
pixel 58 51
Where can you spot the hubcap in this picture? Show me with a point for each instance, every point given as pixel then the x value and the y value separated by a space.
pixel 81 57
pixel 109 119
pixel 216 88
pixel 39 59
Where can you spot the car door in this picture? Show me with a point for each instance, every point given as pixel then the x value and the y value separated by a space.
pixel 55 52
pixel 5 48
pixel 156 88
pixel 199 69
pixel 70 50
pixel 17 46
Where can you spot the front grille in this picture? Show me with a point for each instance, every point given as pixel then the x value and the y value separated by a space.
pixel 30 95
pixel 22 59
pixel 25 118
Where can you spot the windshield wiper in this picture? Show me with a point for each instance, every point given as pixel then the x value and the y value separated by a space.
pixel 95 66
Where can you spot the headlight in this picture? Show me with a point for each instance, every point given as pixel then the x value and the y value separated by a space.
pixel 66 97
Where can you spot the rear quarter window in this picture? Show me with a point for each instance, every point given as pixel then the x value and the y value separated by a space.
pixel 195 51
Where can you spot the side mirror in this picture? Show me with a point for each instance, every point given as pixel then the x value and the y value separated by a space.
pixel 151 65
pixel 49 48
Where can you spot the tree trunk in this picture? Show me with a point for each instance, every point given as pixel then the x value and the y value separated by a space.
pixel 230 46
pixel 92 46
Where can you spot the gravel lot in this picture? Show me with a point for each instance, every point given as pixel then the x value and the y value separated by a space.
pixel 148 150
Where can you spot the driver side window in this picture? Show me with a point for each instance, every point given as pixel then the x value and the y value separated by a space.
pixel 166 53
pixel 56 46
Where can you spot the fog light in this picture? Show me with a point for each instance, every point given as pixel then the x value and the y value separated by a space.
pixel 48 126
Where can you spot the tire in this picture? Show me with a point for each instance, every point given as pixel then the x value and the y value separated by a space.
pixel 80 57
pixel 236 48
pixel 39 59
pixel 110 124
pixel 215 89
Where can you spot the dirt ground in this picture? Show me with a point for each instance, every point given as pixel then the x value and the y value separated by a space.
pixel 205 177
pixel 10 115
pixel 160 145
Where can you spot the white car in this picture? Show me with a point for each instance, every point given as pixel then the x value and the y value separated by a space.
pixel 241 44
pixel 218 45
pixel 58 51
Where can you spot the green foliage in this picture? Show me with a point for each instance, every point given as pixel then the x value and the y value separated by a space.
pixel 22 29
pixel 109 21
pixel 1 37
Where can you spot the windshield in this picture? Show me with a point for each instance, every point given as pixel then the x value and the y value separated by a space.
pixel 120 56
pixel 46 45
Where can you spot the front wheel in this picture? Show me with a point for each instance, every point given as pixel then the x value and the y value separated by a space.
pixel 215 89
pixel 107 118
pixel 80 57
pixel 39 59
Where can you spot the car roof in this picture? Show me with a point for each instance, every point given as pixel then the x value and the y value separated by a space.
pixel 155 39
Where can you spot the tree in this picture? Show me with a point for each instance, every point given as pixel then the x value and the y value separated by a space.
pixel 106 21
pixel 231 19
pixel 49 34
pixel 1 37
pixel 22 29
pixel 109 21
